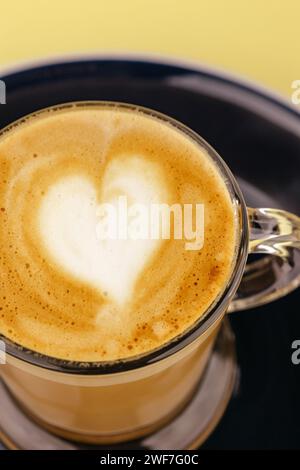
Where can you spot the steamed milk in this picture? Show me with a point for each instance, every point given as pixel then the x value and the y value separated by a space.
pixel 64 292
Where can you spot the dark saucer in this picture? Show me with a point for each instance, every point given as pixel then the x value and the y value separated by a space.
pixel 259 137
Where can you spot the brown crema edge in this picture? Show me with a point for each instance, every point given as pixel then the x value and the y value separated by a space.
pixel 43 307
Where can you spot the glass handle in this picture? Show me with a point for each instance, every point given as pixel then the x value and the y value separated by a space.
pixel 275 234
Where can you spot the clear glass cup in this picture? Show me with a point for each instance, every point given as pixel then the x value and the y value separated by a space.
pixel 117 401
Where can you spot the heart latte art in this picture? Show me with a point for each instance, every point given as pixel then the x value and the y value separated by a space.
pixel 68 294
pixel 68 218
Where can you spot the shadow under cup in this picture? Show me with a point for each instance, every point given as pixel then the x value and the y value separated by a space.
pixel 122 400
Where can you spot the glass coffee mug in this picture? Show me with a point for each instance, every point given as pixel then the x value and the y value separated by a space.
pixel 122 400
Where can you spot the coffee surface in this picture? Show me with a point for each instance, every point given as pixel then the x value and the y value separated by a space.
pixel 68 294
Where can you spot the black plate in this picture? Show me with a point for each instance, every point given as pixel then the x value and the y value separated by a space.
pixel 259 136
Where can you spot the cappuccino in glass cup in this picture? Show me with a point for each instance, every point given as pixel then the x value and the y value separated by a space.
pixel 123 240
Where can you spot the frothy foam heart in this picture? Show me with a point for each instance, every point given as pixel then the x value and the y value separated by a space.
pixel 68 221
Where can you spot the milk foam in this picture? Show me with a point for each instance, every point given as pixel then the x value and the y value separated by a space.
pixel 64 292
pixel 68 221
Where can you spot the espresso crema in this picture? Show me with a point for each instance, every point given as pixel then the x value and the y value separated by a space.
pixel 68 294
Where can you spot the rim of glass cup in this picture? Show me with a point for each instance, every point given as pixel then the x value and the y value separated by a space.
pixel 207 319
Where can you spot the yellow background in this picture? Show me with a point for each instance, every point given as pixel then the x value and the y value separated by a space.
pixel 258 39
